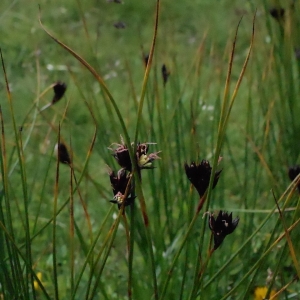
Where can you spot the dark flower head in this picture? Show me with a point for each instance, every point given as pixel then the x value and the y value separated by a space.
pixel 121 154
pixel 293 173
pixel 297 53
pixel 115 1
pixel 63 154
pixel 120 25
pixel 277 13
pixel 199 175
pixel 165 73
pixel 119 199
pixel 146 59
pixel 144 160
pixel 141 149
pixel 221 226
pixel 119 184
pixel 59 90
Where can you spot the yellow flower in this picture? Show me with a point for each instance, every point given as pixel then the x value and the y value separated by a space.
pixel 35 283
pixel 261 292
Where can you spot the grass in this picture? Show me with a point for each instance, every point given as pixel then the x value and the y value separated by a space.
pixel 229 94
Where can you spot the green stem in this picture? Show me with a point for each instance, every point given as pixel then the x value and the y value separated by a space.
pixel 131 248
pixel 91 252
pixel 18 142
pixel 54 252
pixel 173 264
pixel 111 234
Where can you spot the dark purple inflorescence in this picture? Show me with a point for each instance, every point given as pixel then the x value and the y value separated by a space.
pixel 221 226
pixel 199 175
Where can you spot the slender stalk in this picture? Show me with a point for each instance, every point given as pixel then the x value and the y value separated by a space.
pixel 288 193
pixel 54 238
pixel 262 257
pixel 131 247
pixel 98 78
pixel 16 273
pixel 18 142
pixel 111 235
pixel 147 72
pixel 182 244
pixel 289 241
pixel 91 251
pixel 12 240
pixel 72 250
pixel 138 182
pixel 148 237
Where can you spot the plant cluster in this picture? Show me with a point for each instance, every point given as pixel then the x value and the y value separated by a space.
pixel 122 185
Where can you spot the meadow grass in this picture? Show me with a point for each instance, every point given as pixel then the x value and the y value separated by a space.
pixel 230 96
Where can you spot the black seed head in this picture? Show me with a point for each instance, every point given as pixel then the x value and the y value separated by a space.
pixel 165 74
pixel 277 13
pixel 146 59
pixel 199 175
pixel 144 160
pixel 120 25
pixel 221 226
pixel 294 171
pixel 59 90
pixel 119 182
pixel 63 154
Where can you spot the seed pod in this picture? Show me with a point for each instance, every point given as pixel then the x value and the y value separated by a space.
pixel 59 90
pixel 63 154
pixel 165 73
